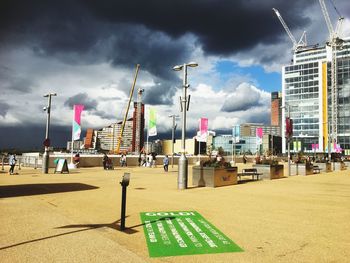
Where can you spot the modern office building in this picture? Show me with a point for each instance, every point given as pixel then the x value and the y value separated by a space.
pixel 106 139
pixel 248 144
pixel 138 128
pixel 249 129
pixel 306 98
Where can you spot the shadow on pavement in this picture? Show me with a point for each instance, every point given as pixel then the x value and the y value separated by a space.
pixel 244 181
pixel 113 225
pixel 39 189
pixel 86 228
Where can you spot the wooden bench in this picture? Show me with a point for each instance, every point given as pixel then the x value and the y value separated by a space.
pixel 316 169
pixel 253 172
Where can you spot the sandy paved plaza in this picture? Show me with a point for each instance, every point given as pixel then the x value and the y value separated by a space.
pixel 75 217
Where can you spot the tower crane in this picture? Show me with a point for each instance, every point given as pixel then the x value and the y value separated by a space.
pixel 334 43
pixel 296 45
pixel 127 111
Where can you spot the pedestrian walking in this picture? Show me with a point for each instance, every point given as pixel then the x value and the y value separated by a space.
pixel 166 163
pixel 144 160
pixel 104 161
pixel 123 161
pixel 139 159
pixel 244 159
pixel 154 160
pixel 12 163
pixel 149 160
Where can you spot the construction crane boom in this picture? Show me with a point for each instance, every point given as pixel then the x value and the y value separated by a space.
pixel 286 28
pixel 334 43
pixel 328 20
pixel 296 45
pixel 127 110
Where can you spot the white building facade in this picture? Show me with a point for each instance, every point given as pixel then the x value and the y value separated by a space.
pixel 306 98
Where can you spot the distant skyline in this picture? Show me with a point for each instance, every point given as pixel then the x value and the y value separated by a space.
pixel 86 51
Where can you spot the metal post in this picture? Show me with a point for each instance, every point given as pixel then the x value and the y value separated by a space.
pixel 45 165
pixel 232 150
pixel 124 183
pixel 329 145
pixel 172 138
pixel 122 216
pixel 288 141
pixel 183 162
pixel 289 172
pixel 235 151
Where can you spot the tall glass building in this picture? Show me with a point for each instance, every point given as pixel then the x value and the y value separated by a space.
pixel 306 97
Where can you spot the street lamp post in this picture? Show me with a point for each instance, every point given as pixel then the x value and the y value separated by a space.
pixel 183 162
pixel 173 137
pixel 45 164
pixel 288 139
pixel 328 141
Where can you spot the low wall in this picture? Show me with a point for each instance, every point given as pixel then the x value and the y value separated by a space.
pixel 96 160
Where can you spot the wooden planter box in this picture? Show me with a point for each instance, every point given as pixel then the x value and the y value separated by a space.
pixel 339 166
pixel 213 177
pixel 302 169
pixel 270 172
pixel 325 167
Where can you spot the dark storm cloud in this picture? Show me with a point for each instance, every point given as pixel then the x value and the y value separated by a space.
pixel 160 94
pixel 156 34
pixel 31 136
pixel 222 27
pixel 10 82
pixel 81 98
pixel 4 107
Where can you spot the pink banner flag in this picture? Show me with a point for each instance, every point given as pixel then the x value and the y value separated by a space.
pixel 77 121
pixel 203 130
pixel 259 132
pixel 203 126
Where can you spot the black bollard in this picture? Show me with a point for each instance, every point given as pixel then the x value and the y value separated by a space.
pixel 124 183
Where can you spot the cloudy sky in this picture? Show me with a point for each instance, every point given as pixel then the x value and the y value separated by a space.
pixel 86 51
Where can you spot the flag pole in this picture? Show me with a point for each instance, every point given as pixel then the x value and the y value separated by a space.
pixel 148 133
pixel 72 145
pixel 199 152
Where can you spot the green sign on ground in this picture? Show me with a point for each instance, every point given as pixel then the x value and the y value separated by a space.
pixel 183 233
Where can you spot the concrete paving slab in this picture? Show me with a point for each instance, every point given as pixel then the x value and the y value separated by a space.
pixel 295 219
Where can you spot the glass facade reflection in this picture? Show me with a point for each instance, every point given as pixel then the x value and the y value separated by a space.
pixel 306 90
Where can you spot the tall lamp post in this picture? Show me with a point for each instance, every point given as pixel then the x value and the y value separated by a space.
pixel 288 138
pixel 45 165
pixel 183 163
pixel 173 137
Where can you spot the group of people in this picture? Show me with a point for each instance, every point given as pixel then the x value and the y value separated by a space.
pixel 147 160
pixel 143 161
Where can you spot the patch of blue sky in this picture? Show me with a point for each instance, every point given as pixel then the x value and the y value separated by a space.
pixel 268 81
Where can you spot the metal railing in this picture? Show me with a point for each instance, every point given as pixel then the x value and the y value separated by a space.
pixel 22 161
